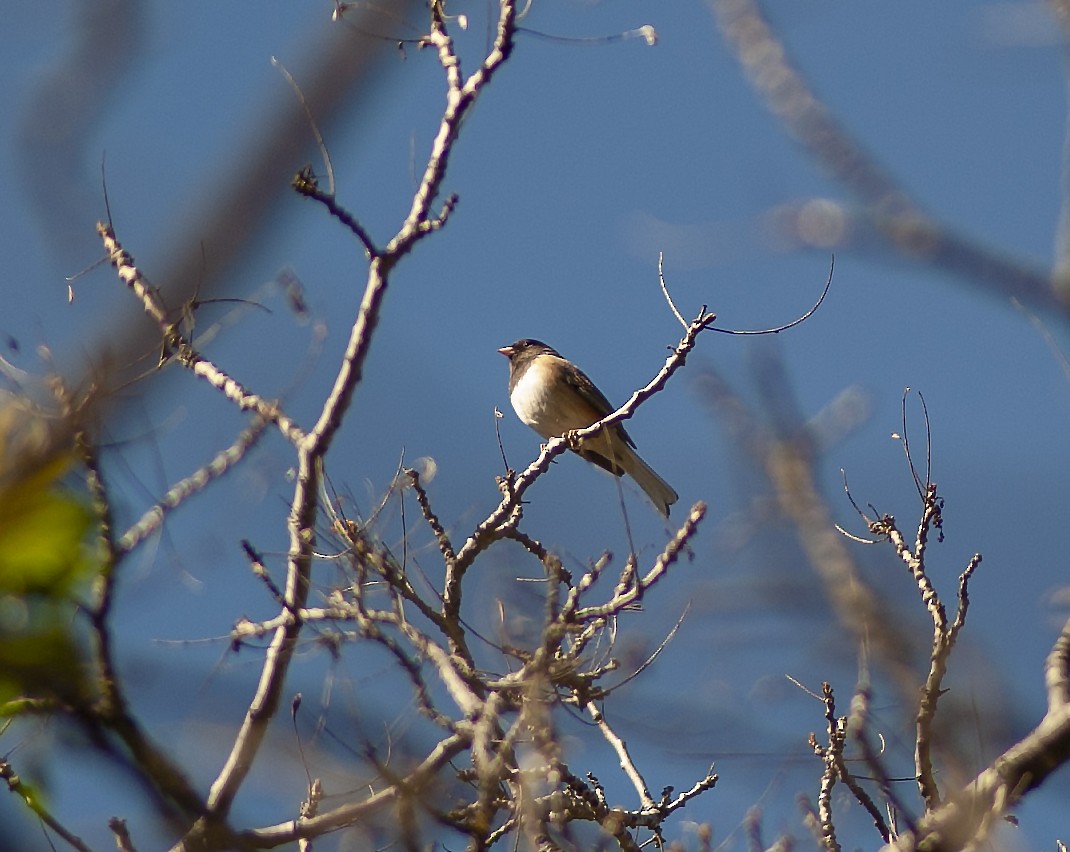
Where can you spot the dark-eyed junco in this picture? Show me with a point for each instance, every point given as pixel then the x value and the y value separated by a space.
pixel 554 396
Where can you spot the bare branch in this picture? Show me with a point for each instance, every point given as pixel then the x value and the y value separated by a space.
pixel 181 491
pixel 967 817
pixel 624 597
pixel 665 291
pixel 313 446
pixel 944 634
pixel 626 761
pixel 187 355
pixel 352 812
pixel 832 756
pixel 305 183
pixel 444 545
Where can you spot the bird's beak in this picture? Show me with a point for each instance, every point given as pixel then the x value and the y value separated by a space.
pixel 507 351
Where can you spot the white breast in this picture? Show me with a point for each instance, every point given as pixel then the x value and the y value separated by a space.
pixel 531 400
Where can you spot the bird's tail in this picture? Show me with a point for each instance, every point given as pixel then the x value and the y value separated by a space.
pixel 661 494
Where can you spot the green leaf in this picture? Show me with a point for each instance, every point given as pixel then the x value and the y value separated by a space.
pixel 41 663
pixel 42 530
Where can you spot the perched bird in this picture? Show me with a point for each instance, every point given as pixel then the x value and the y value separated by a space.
pixel 554 396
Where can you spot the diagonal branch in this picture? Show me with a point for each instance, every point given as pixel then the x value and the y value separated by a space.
pixel 888 210
pixel 513 488
pixel 175 341
pixel 181 491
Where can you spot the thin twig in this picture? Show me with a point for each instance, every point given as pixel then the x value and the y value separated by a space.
pixel 351 812
pixel 304 183
pixel 441 536
pixel 33 801
pixel 676 545
pixel 311 122
pixel 858 725
pixel 665 290
pixel 798 320
pixel 626 761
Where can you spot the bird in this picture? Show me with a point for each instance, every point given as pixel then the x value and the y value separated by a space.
pixel 553 396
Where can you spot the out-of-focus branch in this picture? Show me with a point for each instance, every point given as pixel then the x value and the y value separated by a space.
pixel 243 199
pixel 786 92
pixel 786 457
pixel 826 224
pixel 1061 267
pixel 893 215
pixel 57 134
pixel 109 710
pixel 1061 10
pixel 858 727
pixel 35 803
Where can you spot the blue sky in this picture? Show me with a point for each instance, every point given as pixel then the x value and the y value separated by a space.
pixel 580 164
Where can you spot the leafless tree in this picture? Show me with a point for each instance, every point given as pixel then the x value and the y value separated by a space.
pixel 487 763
